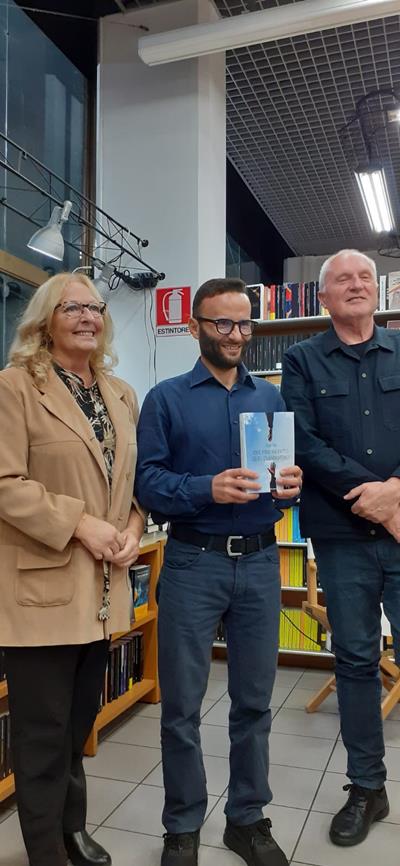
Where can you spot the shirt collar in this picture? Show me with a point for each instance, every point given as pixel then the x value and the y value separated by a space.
pixel 380 339
pixel 201 373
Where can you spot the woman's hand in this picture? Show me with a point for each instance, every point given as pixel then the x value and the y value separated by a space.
pixel 130 550
pixel 99 537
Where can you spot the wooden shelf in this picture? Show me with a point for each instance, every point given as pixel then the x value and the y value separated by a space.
pixel 136 624
pixel 3 689
pixel 7 787
pixel 313 324
pixel 302 544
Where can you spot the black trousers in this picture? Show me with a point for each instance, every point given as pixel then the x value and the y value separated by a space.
pixel 54 694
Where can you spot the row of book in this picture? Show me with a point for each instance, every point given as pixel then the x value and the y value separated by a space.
pixel 124 666
pixel 299 631
pixel 288 528
pixel 285 301
pixel 5 748
pixel 266 353
pixel 293 566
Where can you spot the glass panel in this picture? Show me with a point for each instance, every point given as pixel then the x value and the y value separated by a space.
pixel 43 111
pixel 14 296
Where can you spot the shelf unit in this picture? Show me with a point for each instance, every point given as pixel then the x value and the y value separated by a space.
pixel 312 325
pixel 148 690
pixel 151 553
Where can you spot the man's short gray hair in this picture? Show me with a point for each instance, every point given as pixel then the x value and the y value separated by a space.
pixel 327 264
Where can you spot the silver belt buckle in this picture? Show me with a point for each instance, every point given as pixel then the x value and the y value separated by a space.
pixel 229 550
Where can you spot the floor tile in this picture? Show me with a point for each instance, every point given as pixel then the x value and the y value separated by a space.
pixel 217 773
pixel 289 721
pixel 219 670
pixel 214 740
pixel 338 762
pixel 152 711
pixel 129 849
pixel 121 761
pixel 314 679
pixel 293 751
pixel 141 811
pixel 286 825
pixel 299 697
pixel 218 715
pixel 381 846
pixel 7 808
pixel 104 797
pixel 138 731
pixel 292 786
pixel 12 848
pixel 391 733
pixel 331 797
pixel 288 676
pixel 216 689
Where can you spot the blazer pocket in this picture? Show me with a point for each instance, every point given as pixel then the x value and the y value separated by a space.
pixel 44 580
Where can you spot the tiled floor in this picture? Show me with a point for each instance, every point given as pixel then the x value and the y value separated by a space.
pixel 307 775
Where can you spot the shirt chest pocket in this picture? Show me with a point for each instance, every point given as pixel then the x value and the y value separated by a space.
pixel 389 389
pixel 332 406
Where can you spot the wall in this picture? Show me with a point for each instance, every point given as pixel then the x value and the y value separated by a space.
pixel 161 171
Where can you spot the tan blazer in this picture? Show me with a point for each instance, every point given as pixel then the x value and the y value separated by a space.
pixel 51 470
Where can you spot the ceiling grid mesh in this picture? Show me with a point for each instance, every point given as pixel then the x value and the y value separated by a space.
pixel 286 102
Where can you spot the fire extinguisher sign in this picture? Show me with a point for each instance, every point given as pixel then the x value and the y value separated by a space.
pixel 172 311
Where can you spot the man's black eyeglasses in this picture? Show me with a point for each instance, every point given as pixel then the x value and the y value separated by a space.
pixel 226 326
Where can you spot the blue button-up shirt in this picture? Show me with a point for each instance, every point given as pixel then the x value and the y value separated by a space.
pixel 347 421
pixel 188 432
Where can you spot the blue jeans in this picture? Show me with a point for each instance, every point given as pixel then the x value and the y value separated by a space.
pixel 357 576
pixel 197 588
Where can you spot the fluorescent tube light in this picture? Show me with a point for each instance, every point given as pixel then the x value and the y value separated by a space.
pixel 375 196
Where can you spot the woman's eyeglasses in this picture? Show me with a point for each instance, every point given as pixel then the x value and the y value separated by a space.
pixel 74 310
pixel 226 326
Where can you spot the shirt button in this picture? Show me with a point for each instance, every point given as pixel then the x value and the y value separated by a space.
pixel 372 532
pixel 366 412
pixel 363 375
pixel 369 451
pixel 237 453
pixel 323 390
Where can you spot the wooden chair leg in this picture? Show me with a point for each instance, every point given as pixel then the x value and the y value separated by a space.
pixel 327 688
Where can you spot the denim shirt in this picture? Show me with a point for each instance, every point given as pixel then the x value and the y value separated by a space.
pixel 347 422
pixel 188 432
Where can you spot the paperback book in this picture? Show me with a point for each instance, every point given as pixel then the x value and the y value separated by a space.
pixel 267 445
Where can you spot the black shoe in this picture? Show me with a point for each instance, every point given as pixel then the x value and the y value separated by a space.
pixel 82 850
pixel 364 806
pixel 254 843
pixel 180 849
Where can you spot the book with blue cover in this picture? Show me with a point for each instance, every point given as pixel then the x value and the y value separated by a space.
pixel 267 445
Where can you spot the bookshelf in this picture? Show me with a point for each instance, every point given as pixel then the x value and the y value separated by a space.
pixel 151 553
pixel 313 324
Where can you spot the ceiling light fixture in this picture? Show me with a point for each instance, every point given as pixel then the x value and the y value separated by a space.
pixel 373 187
pixel 49 240
pixel 253 28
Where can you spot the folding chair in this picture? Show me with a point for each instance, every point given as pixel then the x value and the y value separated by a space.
pixel 390 672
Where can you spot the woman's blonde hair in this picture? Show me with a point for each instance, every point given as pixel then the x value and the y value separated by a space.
pixel 30 348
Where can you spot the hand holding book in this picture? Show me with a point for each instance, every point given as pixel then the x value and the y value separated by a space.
pixel 267 447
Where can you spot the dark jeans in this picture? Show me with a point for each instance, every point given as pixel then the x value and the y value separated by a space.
pixel 356 577
pixel 197 588
pixel 54 695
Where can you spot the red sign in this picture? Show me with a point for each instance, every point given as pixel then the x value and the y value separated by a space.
pixel 172 311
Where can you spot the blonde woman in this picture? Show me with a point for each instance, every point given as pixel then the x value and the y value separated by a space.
pixel 69 528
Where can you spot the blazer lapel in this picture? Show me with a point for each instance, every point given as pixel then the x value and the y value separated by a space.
pixel 59 401
pixel 114 398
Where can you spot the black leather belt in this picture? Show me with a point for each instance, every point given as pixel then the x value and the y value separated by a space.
pixel 232 545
